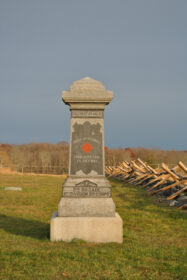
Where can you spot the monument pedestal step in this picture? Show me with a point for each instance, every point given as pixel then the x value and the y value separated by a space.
pixel 86 207
pixel 90 229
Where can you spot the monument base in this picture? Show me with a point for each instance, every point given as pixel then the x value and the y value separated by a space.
pixel 90 229
pixel 86 207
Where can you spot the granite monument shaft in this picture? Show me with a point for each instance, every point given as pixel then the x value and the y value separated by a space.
pixel 87 194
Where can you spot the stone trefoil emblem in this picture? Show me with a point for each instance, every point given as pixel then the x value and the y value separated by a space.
pixel 86 147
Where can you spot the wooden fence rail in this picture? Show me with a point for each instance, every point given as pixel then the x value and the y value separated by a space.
pixel 167 184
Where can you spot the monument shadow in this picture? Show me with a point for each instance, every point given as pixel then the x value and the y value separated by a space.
pixel 20 226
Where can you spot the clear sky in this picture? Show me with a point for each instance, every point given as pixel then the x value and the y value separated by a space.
pixel 136 48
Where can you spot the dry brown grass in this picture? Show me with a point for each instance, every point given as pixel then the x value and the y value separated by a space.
pixel 6 170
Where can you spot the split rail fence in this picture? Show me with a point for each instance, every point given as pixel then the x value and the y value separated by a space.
pixel 167 184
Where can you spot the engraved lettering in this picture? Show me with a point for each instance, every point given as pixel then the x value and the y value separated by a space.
pixel 86 114
pixel 87 188
pixel 87 152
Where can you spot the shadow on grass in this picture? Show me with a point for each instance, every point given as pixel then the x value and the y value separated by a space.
pixel 21 226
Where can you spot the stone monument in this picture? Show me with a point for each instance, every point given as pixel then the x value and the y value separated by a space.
pixel 86 209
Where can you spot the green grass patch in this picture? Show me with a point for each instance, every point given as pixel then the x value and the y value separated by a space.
pixel 154 244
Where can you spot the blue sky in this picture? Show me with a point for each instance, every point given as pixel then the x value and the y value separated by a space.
pixel 135 48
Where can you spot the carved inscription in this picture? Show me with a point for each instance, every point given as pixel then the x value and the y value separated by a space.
pixel 86 114
pixel 87 188
pixel 86 149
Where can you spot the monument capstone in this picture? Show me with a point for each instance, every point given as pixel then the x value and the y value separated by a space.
pixel 86 209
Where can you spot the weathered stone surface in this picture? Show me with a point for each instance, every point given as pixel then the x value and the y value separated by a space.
pixel 87 90
pixel 90 229
pixel 87 114
pixel 87 189
pixel 76 186
pixel 86 147
pixel 86 207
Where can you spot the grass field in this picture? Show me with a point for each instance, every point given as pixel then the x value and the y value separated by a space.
pixel 154 244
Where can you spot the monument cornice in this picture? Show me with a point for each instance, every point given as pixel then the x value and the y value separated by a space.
pixel 86 91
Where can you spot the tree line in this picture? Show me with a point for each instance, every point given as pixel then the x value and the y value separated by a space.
pixel 49 158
